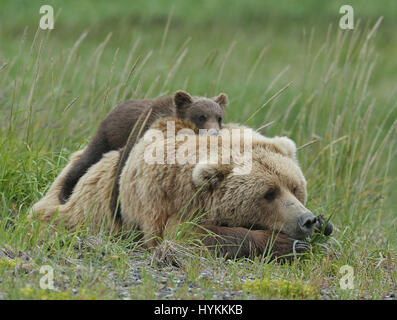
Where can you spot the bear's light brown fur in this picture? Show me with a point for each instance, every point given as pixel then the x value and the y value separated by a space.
pixel 152 196
pixel 90 200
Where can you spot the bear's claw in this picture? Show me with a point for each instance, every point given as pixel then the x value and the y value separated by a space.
pixel 320 226
pixel 300 246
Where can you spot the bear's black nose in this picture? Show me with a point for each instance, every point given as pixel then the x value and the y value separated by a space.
pixel 306 222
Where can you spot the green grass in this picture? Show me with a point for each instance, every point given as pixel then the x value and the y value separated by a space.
pixel 56 86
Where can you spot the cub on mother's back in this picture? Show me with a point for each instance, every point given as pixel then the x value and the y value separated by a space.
pixel 115 130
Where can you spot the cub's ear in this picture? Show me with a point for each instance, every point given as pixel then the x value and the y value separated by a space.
pixel 209 175
pixel 182 99
pixel 222 100
pixel 286 145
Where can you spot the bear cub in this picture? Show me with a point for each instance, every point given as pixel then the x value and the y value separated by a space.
pixel 116 130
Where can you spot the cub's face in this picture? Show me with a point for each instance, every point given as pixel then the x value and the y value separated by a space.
pixel 204 113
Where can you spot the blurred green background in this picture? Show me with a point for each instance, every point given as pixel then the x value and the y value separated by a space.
pixel 284 26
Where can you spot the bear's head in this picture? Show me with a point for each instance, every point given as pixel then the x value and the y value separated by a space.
pixel 272 195
pixel 205 113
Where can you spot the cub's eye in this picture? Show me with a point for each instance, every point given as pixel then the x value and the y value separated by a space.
pixel 294 190
pixel 219 120
pixel 202 118
pixel 270 195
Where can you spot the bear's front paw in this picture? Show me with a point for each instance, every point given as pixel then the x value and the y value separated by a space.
pixel 286 248
pixel 299 246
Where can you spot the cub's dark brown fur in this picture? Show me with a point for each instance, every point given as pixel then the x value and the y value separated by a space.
pixel 116 129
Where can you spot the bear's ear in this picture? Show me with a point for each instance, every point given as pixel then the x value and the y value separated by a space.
pixel 206 174
pixel 182 99
pixel 222 100
pixel 286 146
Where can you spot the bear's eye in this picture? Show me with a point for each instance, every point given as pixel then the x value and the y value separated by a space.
pixel 219 120
pixel 270 195
pixel 202 118
pixel 294 190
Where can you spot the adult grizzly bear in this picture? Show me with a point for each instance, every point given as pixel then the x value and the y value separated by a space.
pixel 228 199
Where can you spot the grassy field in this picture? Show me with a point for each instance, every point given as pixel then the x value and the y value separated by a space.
pixel 56 86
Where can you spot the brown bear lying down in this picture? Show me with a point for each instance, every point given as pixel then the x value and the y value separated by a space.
pixel 251 212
